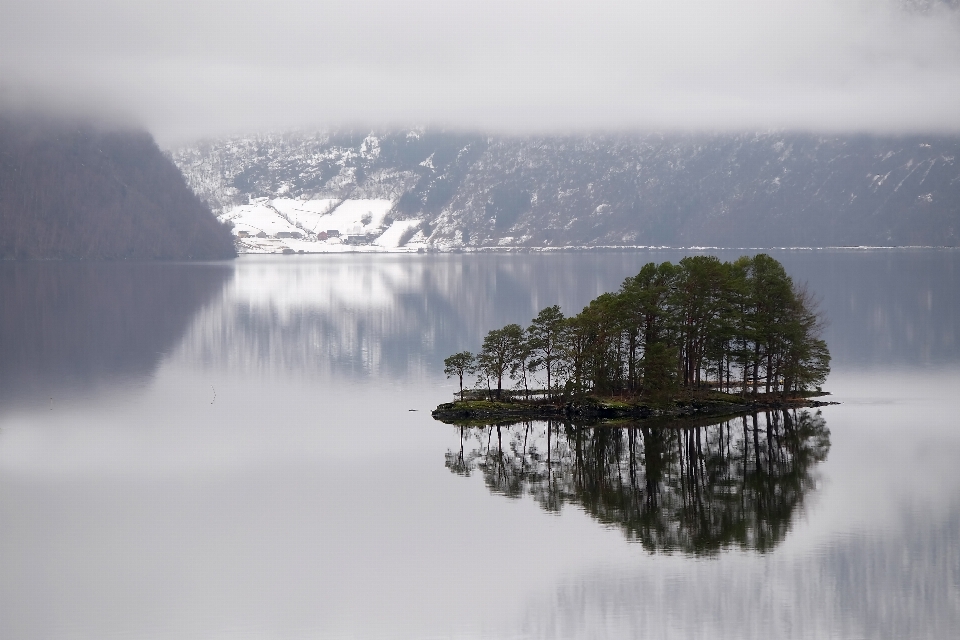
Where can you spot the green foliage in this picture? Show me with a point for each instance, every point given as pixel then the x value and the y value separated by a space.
pixel 501 349
pixel 545 339
pixel 660 379
pixel 700 325
pixel 460 364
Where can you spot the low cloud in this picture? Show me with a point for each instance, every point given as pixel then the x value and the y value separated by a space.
pixel 203 68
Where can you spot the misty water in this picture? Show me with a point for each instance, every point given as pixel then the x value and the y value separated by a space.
pixel 245 450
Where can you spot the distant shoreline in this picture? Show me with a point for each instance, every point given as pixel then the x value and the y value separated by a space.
pixel 367 249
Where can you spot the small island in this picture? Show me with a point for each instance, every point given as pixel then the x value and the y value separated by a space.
pixel 699 339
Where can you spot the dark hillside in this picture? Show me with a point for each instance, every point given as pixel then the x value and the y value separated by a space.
pixel 74 191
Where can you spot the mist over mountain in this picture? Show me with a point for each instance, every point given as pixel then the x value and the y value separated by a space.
pixel 725 190
pixel 77 190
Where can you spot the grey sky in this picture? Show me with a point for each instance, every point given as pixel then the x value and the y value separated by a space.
pixel 193 68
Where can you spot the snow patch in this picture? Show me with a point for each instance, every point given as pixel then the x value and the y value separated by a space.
pixel 390 239
pixel 258 218
pixel 358 216
pixel 280 221
pixel 306 214
pixel 312 216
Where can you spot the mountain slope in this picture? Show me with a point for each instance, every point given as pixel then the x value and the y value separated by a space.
pixel 74 191
pixel 773 189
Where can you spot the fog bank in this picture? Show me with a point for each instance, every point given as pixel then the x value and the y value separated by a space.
pixel 193 69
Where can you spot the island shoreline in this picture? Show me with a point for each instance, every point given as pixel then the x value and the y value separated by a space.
pixel 598 411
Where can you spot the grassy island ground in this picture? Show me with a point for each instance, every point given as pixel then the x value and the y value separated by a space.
pixel 702 337
pixel 687 409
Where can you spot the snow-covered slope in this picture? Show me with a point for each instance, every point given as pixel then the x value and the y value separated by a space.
pixel 357 217
pixel 317 226
pixel 401 234
pixel 304 214
pixel 259 217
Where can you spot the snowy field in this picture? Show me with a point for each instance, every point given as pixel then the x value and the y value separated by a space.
pixel 272 226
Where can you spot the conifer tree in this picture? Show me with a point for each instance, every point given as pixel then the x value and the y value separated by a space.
pixel 499 352
pixel 460 364
pixel 545 335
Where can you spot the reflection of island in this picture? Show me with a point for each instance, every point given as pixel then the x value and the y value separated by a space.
pixel 76 325
pixel 695 490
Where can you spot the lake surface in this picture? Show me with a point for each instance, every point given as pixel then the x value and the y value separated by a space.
pixel 245 450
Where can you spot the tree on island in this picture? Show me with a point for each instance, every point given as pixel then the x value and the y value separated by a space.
pixel 699 324
pixel 644 305
pixel 545 336
pixel 460 364
pixel 660 379
pixel 499 351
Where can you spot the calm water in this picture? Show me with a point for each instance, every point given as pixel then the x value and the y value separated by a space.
pixel 244 450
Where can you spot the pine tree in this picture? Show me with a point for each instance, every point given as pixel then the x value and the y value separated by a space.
pixel 460 364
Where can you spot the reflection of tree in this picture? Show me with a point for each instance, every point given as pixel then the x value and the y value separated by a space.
pixel 695 489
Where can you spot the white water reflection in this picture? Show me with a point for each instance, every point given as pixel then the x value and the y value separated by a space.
pixel 248 468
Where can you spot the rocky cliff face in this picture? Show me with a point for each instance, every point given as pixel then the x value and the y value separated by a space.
pixel 72 190
pixel 756 190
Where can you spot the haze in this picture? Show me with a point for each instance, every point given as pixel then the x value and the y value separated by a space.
pixel 190 69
